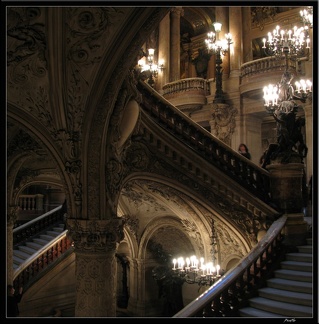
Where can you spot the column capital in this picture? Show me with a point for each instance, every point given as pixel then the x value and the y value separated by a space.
pixel 95 235
pixel 178 11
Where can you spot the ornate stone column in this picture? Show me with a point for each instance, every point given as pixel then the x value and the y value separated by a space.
pixel 164 50
pixel 95 243
pixel 247 45
pixel 235 23
pixel 175 43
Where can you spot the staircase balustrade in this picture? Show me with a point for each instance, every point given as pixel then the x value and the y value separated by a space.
pixel 246 173
pixel 233 290
pixel 31 268
pixel 31 228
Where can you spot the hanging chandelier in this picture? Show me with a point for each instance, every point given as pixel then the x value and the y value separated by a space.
pixel 307 16
pixel 287 44
pixel 218 47
pixel 293 42
pixel 194 270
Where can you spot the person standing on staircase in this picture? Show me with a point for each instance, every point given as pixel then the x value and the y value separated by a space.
pixel 13 300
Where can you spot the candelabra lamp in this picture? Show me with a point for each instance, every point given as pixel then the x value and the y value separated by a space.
pixel 218 47
pixel 194 270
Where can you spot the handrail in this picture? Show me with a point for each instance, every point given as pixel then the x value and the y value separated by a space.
pixel 223 297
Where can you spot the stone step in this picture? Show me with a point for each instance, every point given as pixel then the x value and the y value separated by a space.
pixel 47 237
pixel 254 312
pixel 298 266
pixel 34 245
pixel 54 233
pixel 27 249
pixel 17 261
pixel 290 285
pixel 41 241
pixel 300 257
pixel 59 228
pixel 305 249
pixel 305 276
pixel 286 296
pixel 281 308
pixel 20 254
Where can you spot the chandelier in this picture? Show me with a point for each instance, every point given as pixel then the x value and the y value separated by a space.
pixel 218 46
pixel 194 270
pixel 293 42
pixel 149 68
pixel 307 16
pixel 287 44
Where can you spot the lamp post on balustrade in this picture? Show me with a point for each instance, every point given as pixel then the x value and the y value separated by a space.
pixel 219 47
pixel 223 115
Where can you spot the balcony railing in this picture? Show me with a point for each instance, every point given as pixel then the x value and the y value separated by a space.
pixel 264 65
pixel 197 85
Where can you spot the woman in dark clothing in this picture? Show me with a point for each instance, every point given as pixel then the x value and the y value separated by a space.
pixel 12 301
pixel 243 150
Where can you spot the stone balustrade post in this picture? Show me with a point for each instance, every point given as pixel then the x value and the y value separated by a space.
pixel 286 192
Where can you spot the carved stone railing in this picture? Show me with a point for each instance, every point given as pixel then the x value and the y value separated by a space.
pixel 243 171
pixel 232 292
pixel 187 94
pixel 31 202
pixel 264 65
pixel 199 85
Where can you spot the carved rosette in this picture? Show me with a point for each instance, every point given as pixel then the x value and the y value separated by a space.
pixel 95 235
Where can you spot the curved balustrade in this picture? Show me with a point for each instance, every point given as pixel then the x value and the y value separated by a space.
pixel 232 291
pixel 189 84
pixel 263 65
pixel 240 169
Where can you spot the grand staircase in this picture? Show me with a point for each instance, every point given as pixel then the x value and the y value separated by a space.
pixel 31 247
pixel 289 292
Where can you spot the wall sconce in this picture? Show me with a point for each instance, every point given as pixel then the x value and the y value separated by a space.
pixel 149 69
